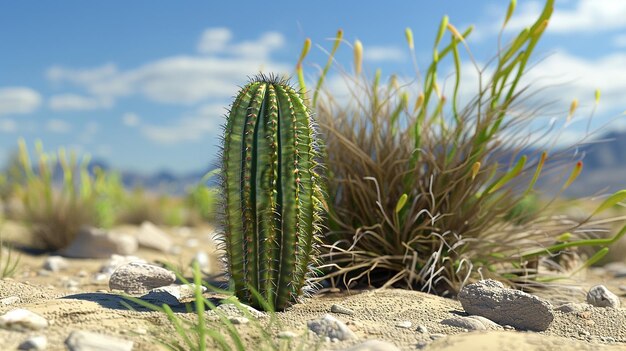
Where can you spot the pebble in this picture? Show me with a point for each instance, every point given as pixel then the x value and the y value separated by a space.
pixel 172 294
pixel 331 327
pixel 617 269
pixel 374 345
pixel 22 320
pixel 231 310
pixel 152 237
pixel 600 296
pixel 404 324
pixel 191 243
pixel 490 299
pixel 622 287
pixel 81 340
pixel 488 323
pixel 464 323
pixel 437 336
pixel 139 278
pixel 55 264
pixel 287 334
pixel 9 300
pixel 239 320
pixel 422 329
pixel 99 243
pixel 204 263
pixel 340 309
pixel 34 343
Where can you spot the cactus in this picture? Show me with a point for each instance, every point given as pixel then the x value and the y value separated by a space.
pixel 272 193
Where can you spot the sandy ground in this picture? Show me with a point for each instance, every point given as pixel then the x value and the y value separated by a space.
pixel 90 306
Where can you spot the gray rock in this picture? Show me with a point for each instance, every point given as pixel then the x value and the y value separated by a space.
pixel 600 296
pixel 490 299
pixel 573 307
pixel 81 340
pixel 331 327
pixel 617 269
pixel 287 334
pixel 231 310
pixel 239 320
pixel 139 278
pixel 422 329
pixel 464 323
pixel 118 260
pixel 340 309
pixel 152 237
pixel 437 336
pixel 172 294
pixel 9 300
pixel 55 264
pixel 404 324
pixel 22 320
pixel 99 243
pixel 374 345
pixel 34 343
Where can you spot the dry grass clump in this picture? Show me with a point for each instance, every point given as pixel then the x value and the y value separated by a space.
pixel 429 195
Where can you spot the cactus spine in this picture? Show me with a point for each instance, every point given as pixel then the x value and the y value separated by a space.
pixel 272 192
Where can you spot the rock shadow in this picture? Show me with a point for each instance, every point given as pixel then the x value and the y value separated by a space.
pixel 120 302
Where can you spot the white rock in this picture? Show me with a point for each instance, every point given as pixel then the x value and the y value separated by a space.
pixel 331 327
pixel 490 299
pixel 152 237
pixel 204 263
pixel 464 323
pixel 34 343
pixel 231 310
pixel 488 323
pixel 139 278
pixel 23 320
pixel 239 320
pixel 55 264
pixel 422 329
pixel 600 296
pixel 404 324
pixel 9 300
pixel 99 243
pixel 374 345
pixel 81 340
pixel 172 294
pixel 573 307
pixel 287 334
pixel 118 260
pixel 341 309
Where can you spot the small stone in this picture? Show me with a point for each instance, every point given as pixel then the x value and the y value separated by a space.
pixel 600 296
pixel 618 269
pixel 191 243
pixel 490 299
pixel 116 261
pixel 141 331
pixel 404 324
pixel 437 336
pixel 231 310
pixel 172 294
pixel 239 320
pixel 422 329
pixel 488 323
pixel 331 327
pixel 22 320
pixel 139 278
pixel 9 300
pixel 464 323
pixel 81 340
pixel 340 309
pixel 287 335
pixel 82 273
pixel 55 264
pixel 573 307
pixel 374 345
pixel 152 237
pixel 607 339
pixel 99 243
pixel 34 343
pixel 622 287
pixel 203 261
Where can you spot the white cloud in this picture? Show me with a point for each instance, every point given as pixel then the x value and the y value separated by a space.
pixel 203 121
pixel 131 119
pixel 218 41
pixel 74 102
pixel 58 126
pixel 180 79
pixel 18 100
pixel 584 16
pixel 383 53
pixel 7 125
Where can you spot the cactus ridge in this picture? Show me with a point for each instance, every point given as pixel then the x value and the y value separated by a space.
pixel 273 197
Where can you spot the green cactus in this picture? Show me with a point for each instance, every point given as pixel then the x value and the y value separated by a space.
pixel 272 193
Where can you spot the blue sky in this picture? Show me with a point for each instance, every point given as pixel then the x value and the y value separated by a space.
pixel 145 84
